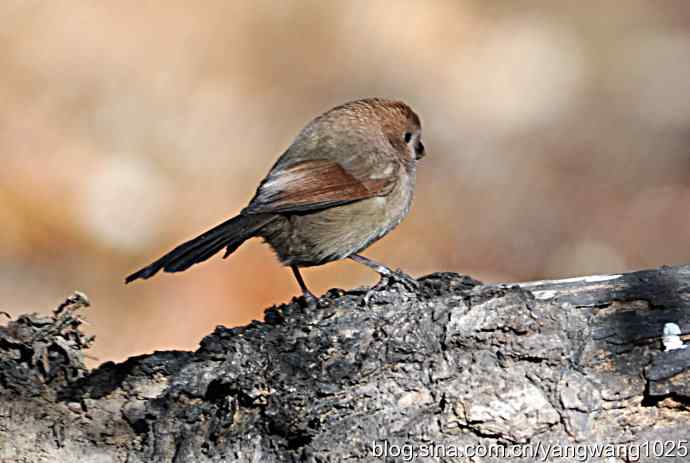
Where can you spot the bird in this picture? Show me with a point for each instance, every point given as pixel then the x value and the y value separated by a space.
pixel 346 181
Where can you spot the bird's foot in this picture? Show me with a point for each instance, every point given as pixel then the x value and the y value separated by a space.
pixel 410 283
pixel 393 276
pixel 311 301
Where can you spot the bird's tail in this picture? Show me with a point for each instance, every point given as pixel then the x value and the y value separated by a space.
pixel 229 234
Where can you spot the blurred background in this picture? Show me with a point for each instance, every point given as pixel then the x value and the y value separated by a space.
pixel 558 139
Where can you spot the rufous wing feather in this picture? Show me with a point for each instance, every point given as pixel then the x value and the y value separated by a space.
pixel 314 184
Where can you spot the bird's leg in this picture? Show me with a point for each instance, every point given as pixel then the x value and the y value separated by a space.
pixel 312 301
pixel 386 274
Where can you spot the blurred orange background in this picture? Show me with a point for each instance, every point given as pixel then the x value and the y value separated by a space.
pixel 558 138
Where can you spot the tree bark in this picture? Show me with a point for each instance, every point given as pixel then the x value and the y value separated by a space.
pixel 525 371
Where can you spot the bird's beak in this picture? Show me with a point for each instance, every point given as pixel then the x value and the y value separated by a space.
pixel 419 151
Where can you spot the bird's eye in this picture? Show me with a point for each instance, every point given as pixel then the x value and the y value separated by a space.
pixel 407 137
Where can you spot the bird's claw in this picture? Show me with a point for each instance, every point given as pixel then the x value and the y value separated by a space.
pixel 404 279
pixel 311 301
pixel 396 276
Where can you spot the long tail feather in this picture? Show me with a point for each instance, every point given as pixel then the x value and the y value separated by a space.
pixel 229 234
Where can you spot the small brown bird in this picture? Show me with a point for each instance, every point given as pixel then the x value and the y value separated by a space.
pixel 345 182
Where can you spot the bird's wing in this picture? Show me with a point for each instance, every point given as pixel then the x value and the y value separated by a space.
pixel 318 184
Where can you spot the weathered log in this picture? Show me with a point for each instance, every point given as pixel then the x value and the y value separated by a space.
pixel 456 368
